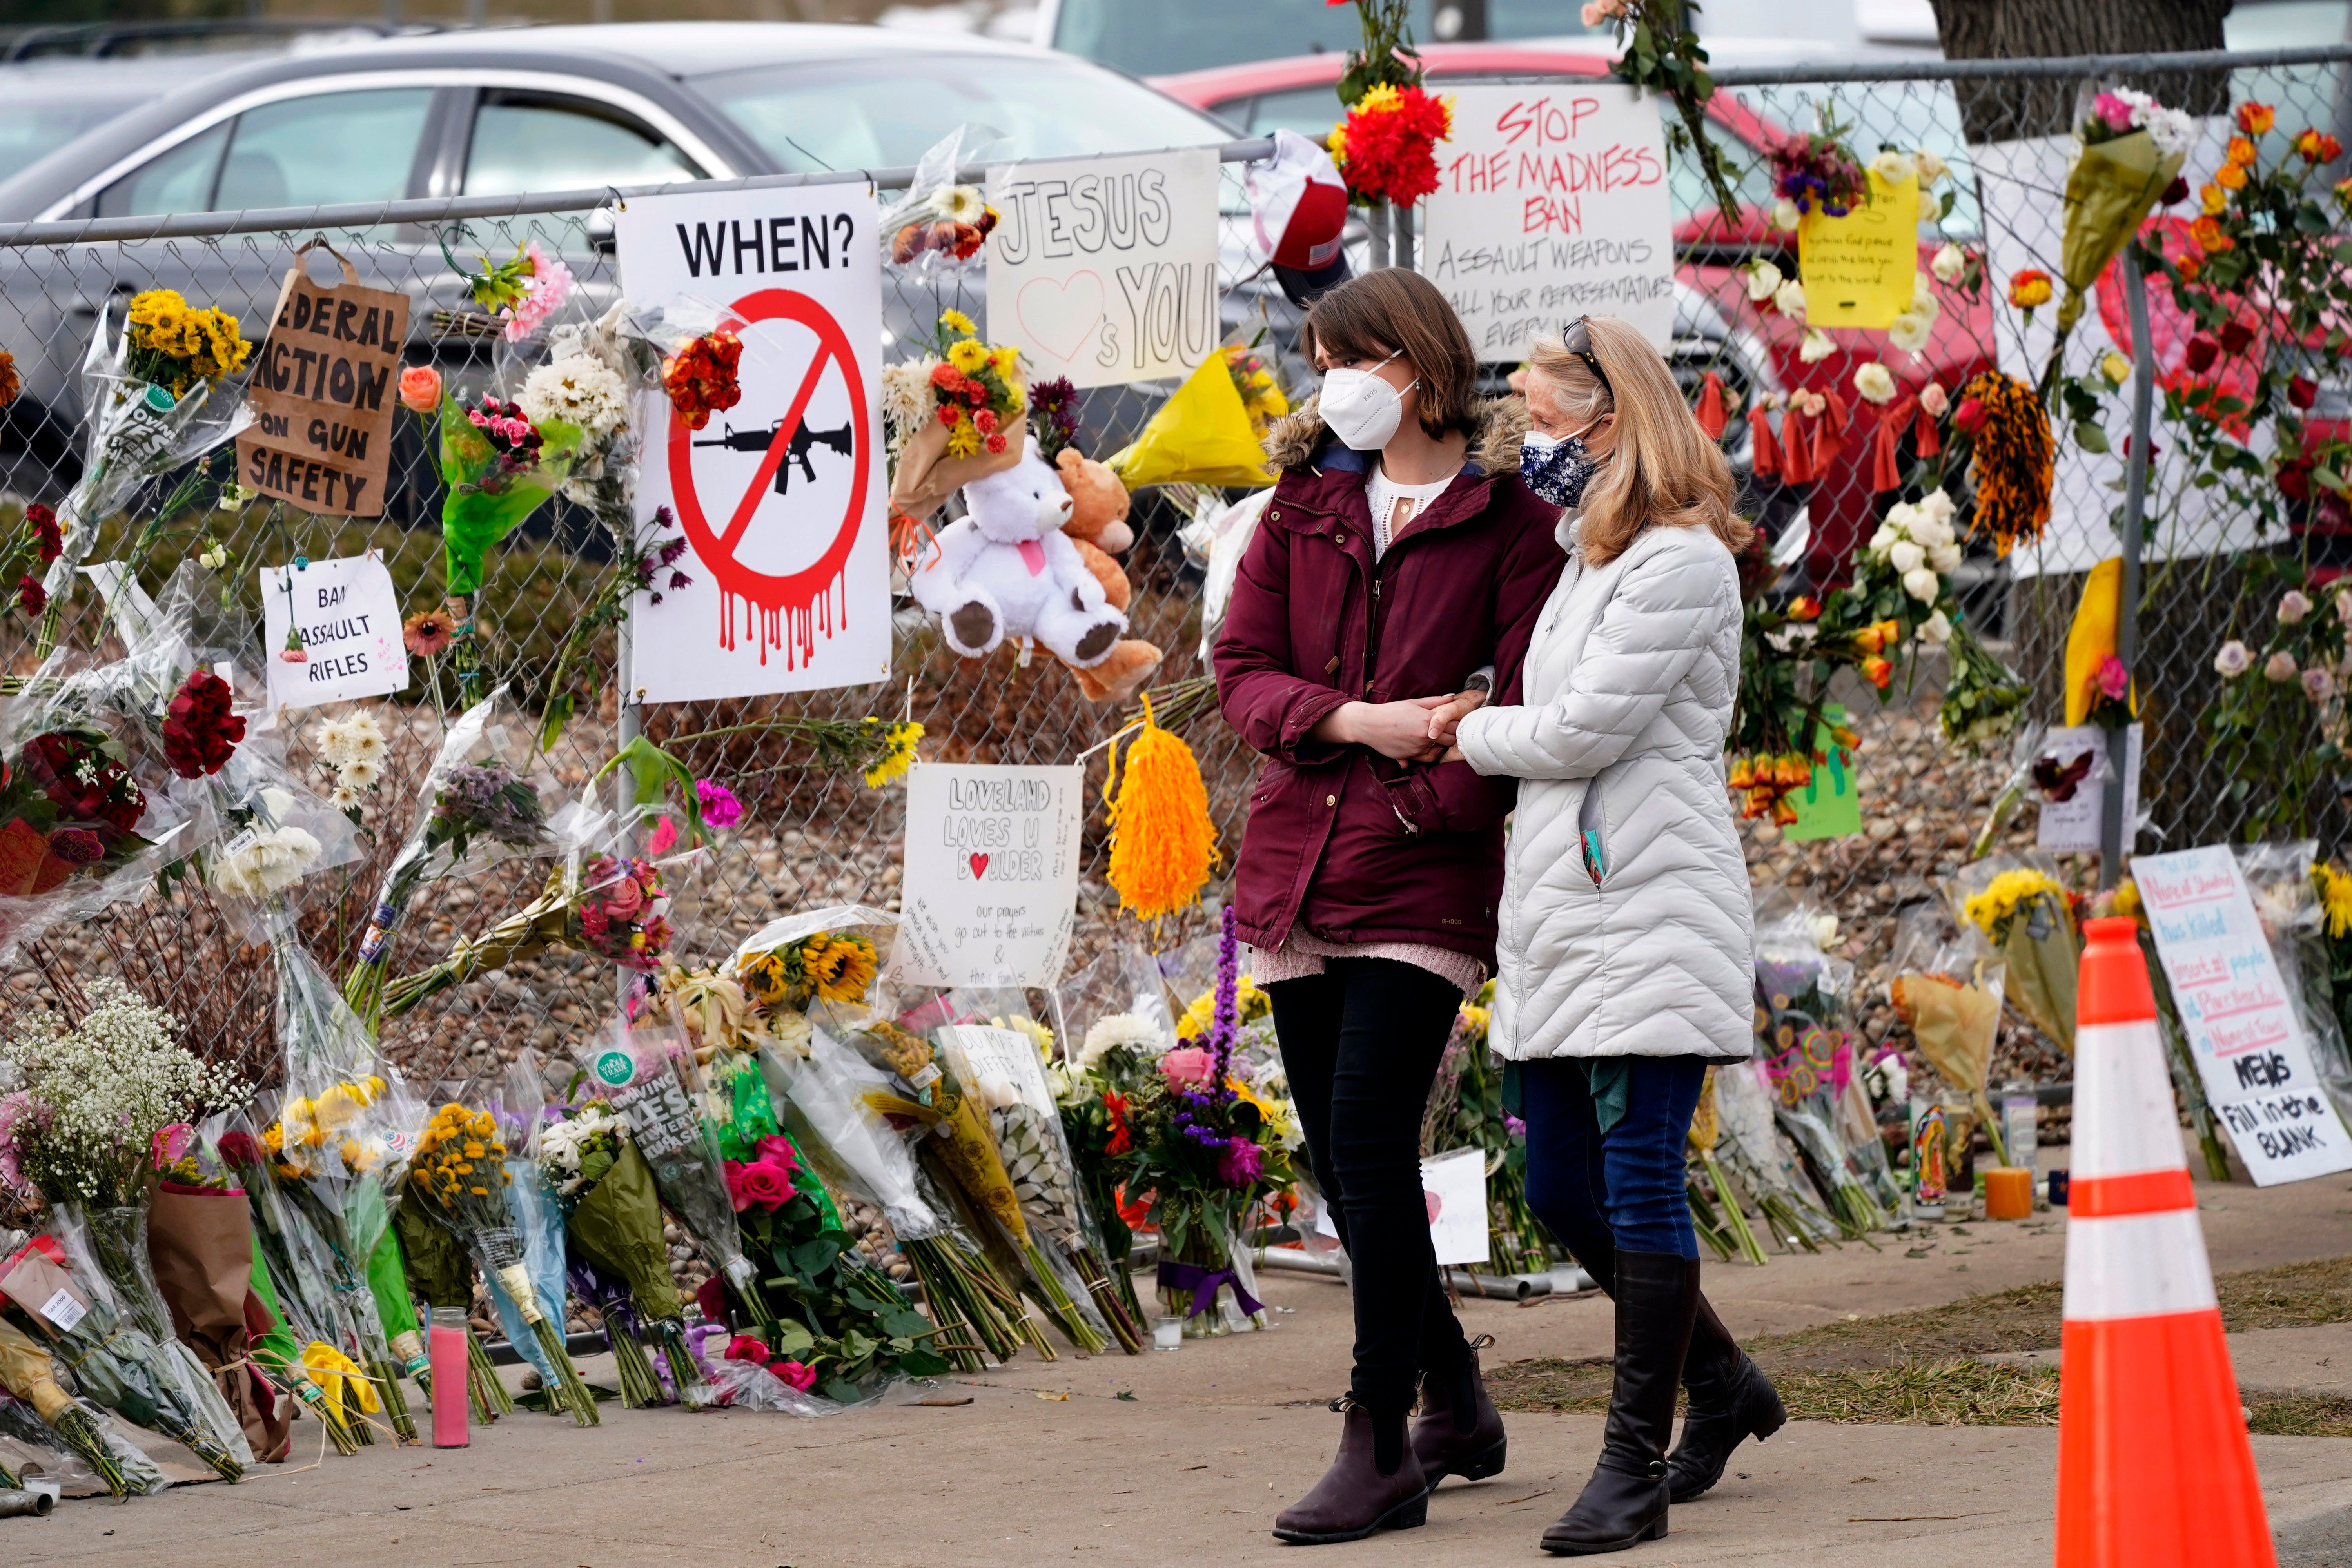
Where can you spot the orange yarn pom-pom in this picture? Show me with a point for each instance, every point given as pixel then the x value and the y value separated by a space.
pixel 1161 840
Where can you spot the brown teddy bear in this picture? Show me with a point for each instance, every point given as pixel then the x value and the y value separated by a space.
pixel 1097 526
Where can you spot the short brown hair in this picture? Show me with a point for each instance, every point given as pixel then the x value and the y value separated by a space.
pixel 1399 311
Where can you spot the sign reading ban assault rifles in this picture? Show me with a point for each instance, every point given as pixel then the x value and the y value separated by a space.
pixel 321 433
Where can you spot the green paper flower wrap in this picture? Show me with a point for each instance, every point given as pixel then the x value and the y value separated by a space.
pixel 488 501
pixel 617 1227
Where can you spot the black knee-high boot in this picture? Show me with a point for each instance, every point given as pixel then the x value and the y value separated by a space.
pixel 1731 1401
pixel 1656 1296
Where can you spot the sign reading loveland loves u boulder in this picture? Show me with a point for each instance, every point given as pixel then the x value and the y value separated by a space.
pixel 321 394
pixel 990 883
pixel 2241 1022
pixel 1550 205
pixel 1105 269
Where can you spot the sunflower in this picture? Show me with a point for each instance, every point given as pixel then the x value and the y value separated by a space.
pixel 429 632
pixel 851 963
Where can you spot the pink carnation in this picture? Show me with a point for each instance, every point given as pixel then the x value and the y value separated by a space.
pixel 544 293
pixel 1190 1066
pixel 720 806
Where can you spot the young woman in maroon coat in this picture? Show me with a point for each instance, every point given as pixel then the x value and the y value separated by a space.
pixel 1400 560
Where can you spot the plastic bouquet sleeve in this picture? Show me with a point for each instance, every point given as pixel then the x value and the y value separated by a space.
pixel 618 1227
pixel 540 1230
pixel 27 1372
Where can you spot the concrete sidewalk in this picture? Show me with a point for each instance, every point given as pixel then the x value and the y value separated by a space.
pixel 1049 1464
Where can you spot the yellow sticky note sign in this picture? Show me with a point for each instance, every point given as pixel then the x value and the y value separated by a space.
pixel 1857 270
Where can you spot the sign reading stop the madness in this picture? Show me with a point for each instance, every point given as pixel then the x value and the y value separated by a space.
pixel 781 497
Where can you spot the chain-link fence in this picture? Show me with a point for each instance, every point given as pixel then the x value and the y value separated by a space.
pixel 815 837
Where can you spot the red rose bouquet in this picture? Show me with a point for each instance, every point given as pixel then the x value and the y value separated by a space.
pixel 199 732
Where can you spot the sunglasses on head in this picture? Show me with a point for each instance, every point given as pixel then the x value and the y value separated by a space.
pixel 1577 340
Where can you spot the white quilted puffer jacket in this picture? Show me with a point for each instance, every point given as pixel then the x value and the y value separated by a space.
pixel 1626 927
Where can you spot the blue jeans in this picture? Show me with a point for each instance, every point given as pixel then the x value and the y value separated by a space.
pixel 1599 1192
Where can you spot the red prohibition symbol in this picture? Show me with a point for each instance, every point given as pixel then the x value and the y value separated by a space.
pixel 806 596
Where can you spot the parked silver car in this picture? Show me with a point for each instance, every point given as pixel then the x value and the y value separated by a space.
pixel 503 113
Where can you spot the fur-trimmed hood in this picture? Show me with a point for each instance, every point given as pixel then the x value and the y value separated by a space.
pixel 1294 440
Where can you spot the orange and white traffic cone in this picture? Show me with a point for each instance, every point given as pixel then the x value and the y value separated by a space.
pixel 2154 1469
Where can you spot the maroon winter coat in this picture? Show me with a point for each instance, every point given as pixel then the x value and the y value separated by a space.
pixel 1342 842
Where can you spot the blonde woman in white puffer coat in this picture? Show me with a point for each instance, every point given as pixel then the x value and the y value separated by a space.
pixel 1626 946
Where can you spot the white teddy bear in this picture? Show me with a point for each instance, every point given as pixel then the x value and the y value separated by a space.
pixel 1006 569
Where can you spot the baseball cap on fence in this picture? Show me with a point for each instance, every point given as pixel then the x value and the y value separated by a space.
pixel 1299 203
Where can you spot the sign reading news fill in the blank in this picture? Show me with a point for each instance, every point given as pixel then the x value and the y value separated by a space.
pixel 2241 1024
pixel 1551 205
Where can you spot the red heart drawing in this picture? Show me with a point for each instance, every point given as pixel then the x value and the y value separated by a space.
pixel 979 867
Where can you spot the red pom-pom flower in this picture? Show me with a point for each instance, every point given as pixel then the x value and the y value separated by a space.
pixel 1386 147
pixel 199 732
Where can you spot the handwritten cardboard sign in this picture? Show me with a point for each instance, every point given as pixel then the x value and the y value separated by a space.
pixel 1105 269
pixel 992 874
pixel 1858 270
pixel 324 395
pixel 2242 1026
pixel 1550 205
pixel 348 614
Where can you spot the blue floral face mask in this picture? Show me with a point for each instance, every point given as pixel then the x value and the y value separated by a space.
pixel 1556 467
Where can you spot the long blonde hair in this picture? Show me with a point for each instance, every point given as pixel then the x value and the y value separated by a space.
pixel 1663 469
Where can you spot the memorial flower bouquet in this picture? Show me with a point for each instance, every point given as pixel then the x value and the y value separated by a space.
pixel 1817 170
pixel 1206 1151
pixel 1386 147
pixel 295 1270
pixel 154 397
pixel 2023 909
pixel 26 1372
pixel 458 1176
pixel 2131 148
pixel 613 1218
pixel 703 376
pixel 956 414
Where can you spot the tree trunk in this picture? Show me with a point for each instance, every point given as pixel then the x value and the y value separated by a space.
pixel 2005 111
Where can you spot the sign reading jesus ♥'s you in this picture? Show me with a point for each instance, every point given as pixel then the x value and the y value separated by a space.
pixel 2242 1026
pixel 1550 205
pixel 990 885
pixel 1105 269
pixel 781 499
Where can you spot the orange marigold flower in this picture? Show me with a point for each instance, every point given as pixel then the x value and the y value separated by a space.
pixel 2253 119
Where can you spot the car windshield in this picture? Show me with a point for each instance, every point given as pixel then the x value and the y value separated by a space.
pixel 886 112
pixel 1154 37
pixel 1906 116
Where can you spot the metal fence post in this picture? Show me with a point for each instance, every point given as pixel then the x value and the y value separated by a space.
pixel 2115 832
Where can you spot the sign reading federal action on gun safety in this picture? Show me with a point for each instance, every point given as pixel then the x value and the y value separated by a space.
pixel 321 394
pixel 781 499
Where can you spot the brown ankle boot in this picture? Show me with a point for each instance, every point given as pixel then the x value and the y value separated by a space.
pixel 1459 1431
pixel 1355 1497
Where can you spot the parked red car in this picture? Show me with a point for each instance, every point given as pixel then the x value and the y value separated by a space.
pixel 1300 93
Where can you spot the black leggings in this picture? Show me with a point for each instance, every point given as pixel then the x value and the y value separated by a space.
pixel 1361 1043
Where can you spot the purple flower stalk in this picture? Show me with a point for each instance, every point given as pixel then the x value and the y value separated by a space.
pixel 1224 1022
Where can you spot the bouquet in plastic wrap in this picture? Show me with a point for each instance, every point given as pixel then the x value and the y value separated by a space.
pixel 154 396
pixel 517 1109
pixel 2132 147
pixel 1807 1052
pixel 1116 1009
pixel 459 1178
pixel 486 799
pixel 54 1281
pixel 613 1223
pixel 1715 1208
pixel 1946 991
pixel 1751 1144
pixel 2023 909
pixel 27 1374
pixel 2290 890
pixel 345 1131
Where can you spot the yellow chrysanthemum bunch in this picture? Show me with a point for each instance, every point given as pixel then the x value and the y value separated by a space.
pixel 1991 911
pixel 459 1166
pixel 1250 1003
pixel 176 346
